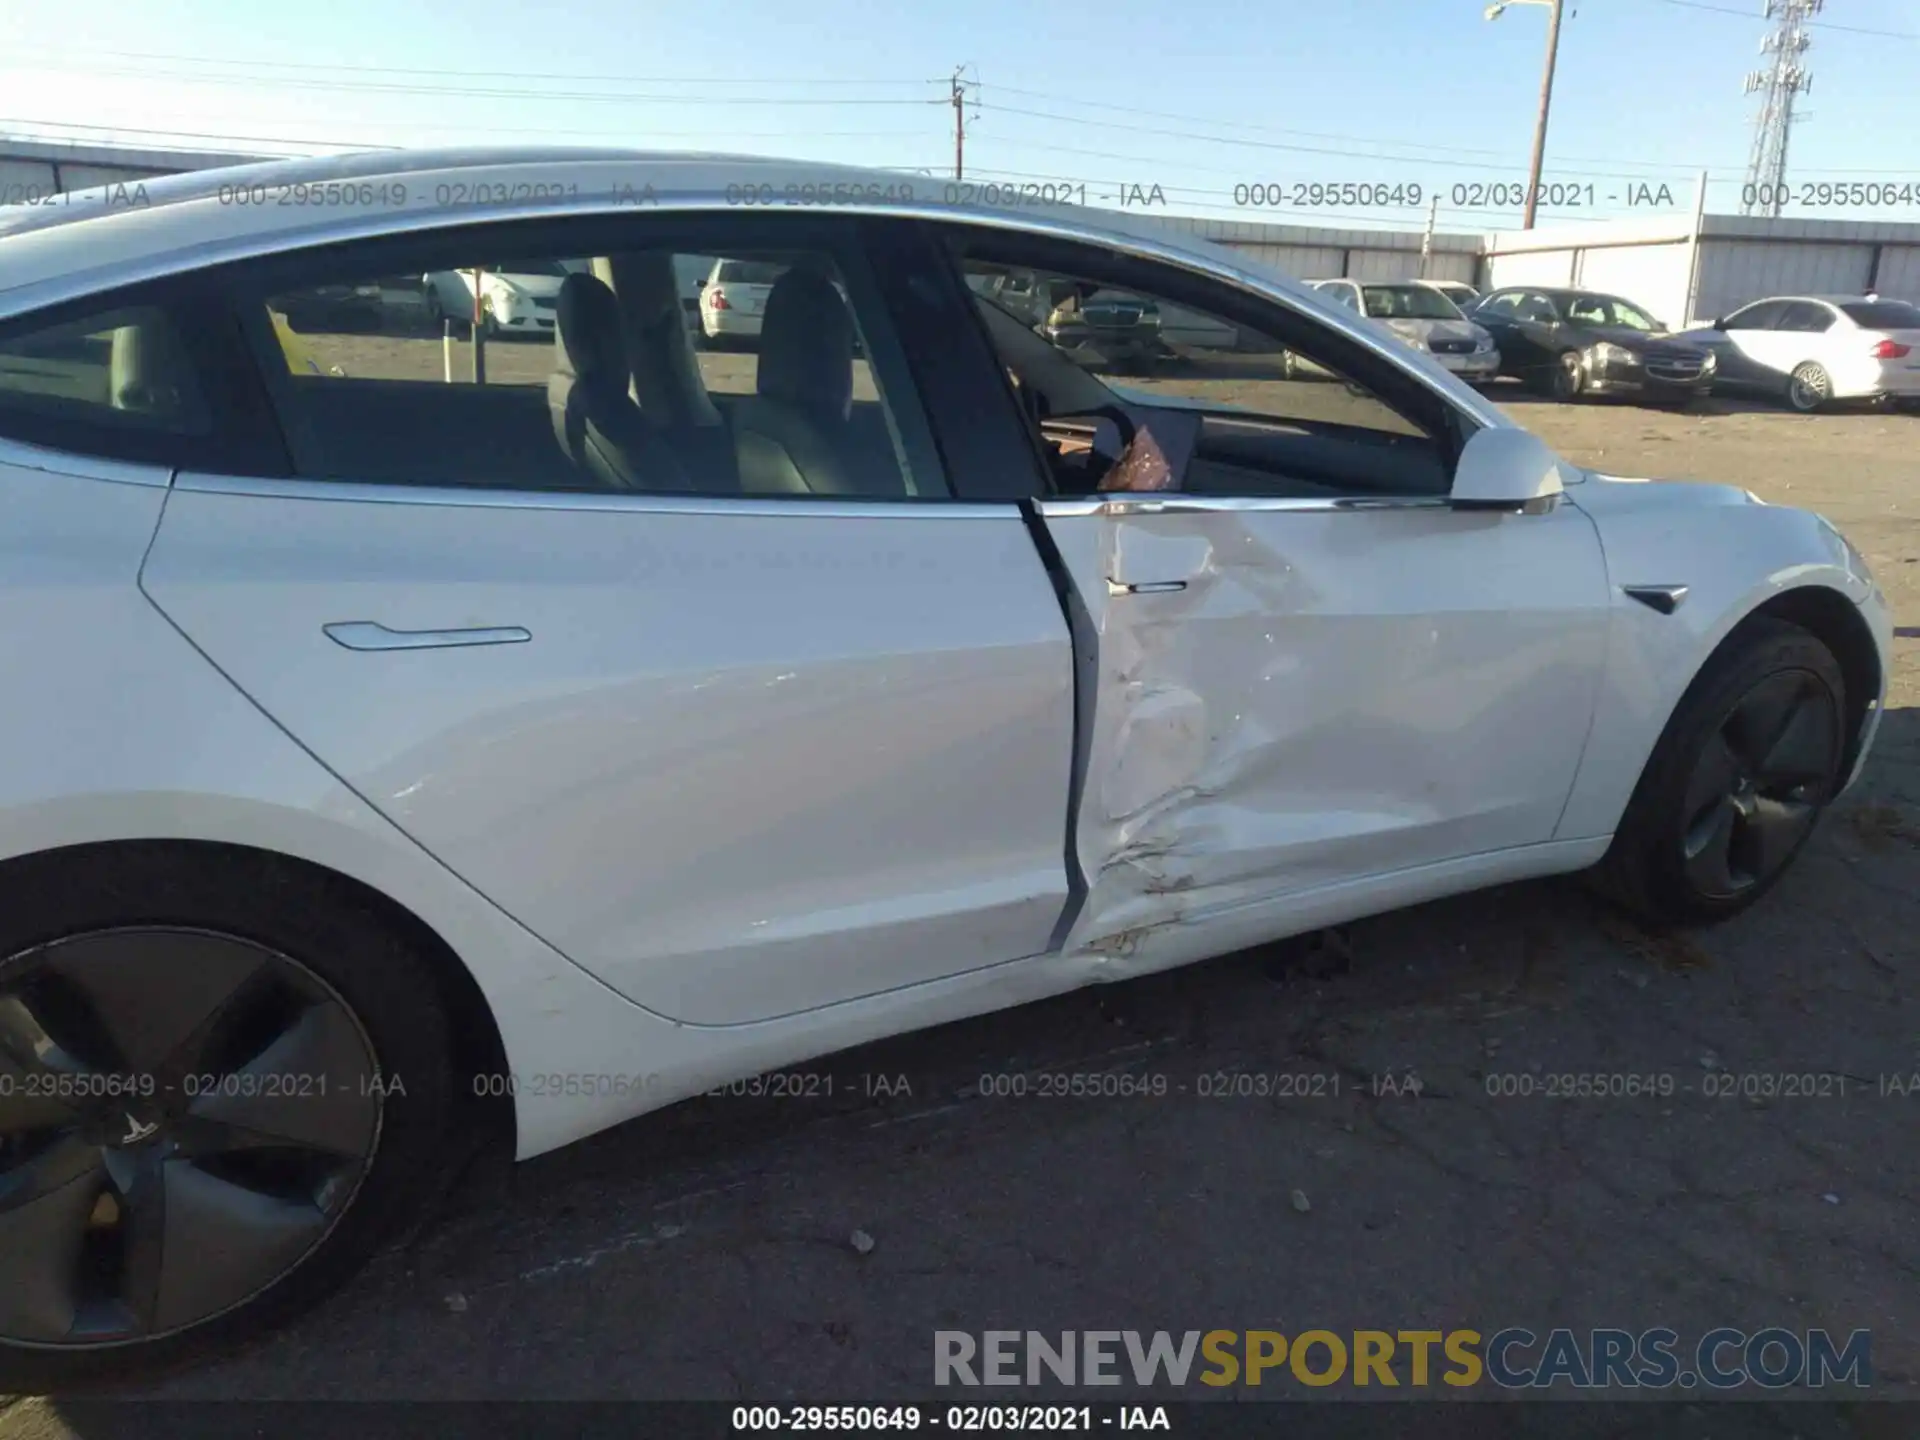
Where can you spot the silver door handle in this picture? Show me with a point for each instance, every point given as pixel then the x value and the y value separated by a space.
pixel 1148 587
pixel 371 635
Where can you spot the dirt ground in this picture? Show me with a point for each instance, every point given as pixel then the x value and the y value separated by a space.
pixel 709 1251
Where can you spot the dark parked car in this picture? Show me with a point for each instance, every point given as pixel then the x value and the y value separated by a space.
pixel 1568 343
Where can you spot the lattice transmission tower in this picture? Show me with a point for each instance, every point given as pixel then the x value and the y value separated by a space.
pixel 1778 82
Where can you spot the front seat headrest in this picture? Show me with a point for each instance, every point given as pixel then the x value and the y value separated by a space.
pixel 806 346
pixel 587 333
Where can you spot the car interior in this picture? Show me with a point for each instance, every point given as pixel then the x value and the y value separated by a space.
pixel 619 401
pixel 1324 443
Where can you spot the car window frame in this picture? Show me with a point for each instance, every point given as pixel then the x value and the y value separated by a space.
pixel 245 285
pixel 1813 307
pixel 1728 326
pixel 243 436
pixel 1446 425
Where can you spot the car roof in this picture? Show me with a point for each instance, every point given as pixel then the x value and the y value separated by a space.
pixel 121 234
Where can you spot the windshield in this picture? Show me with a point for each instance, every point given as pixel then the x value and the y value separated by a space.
pixel 551 268
pixel 1883 314
pixel 1409 302
pixel 1608 310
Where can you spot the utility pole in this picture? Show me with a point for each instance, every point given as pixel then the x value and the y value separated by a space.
pixel 1784 78
pixel 959 102
pixel 1494 12
pixel 1426 236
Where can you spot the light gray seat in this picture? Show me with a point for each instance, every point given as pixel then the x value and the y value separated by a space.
pixel 594 416
pixel 794 435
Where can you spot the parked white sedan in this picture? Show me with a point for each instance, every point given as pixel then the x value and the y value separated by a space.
pixel 1811 349
pixel 395 764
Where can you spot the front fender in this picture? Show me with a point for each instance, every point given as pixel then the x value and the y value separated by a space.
pixel 1734 554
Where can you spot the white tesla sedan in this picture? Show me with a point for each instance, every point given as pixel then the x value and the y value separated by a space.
pixel 394 760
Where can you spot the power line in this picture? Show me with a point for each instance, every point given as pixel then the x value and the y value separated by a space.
pixel 474 74
pixel 493 93
pixel 1298 149
pixel 443 91
pixel 1747 15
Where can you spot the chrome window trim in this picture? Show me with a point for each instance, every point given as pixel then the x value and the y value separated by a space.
pixel 1036 221
pixel 22 455
pixel 488 498
pixel 1112 506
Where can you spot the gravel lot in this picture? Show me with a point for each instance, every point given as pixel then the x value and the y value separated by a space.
pixel 707 1251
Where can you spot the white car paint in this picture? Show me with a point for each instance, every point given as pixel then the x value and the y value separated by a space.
pixel 514 302
pixel 1765 358
pixel 1318 727
pixel 823 721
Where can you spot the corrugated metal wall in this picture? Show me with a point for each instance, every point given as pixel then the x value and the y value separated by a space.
pixel 1900 272
pixel 1732 272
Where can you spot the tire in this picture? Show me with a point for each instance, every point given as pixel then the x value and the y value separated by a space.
pixel 258 947
pixel 1715 790
pixel 1566 378
pixel 1808 388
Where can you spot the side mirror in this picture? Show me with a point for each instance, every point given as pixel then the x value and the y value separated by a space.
pixel 1508 470
pixel 1720 322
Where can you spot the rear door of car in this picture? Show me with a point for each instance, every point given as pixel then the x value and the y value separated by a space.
pixel 738 754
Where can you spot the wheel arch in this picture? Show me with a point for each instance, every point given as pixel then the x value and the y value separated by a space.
pixel 1646 685
pixel 1837 622
pixel 478 1046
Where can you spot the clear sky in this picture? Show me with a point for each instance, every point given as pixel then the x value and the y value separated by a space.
pixel 1196 98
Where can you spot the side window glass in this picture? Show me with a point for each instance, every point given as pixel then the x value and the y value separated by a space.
pixel 1269 418
pixel 1756 317
pixel 663 371
pixel 1805 318
pixel 123 370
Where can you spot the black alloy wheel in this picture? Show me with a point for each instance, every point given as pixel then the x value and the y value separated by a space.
pixel 184 1116
pixel 1750 759
pixel 226 1080
pixel 1759 782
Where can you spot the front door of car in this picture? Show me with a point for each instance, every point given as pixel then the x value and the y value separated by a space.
pixel 1748 356
pixel 1310 671
pixel 735 745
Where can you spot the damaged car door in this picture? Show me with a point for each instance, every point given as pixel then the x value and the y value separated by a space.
pixel 1319 687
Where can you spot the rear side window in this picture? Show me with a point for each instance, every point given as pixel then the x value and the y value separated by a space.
pixel 1805 316
pixel 749 272
pixel 122 370
pixel 519 367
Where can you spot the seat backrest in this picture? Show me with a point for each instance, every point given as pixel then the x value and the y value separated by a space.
pixel 793 435
pixel 594 416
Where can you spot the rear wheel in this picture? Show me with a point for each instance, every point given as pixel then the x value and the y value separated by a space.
pixel 1737 782
pixel 222 1083
pixel 1808 388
